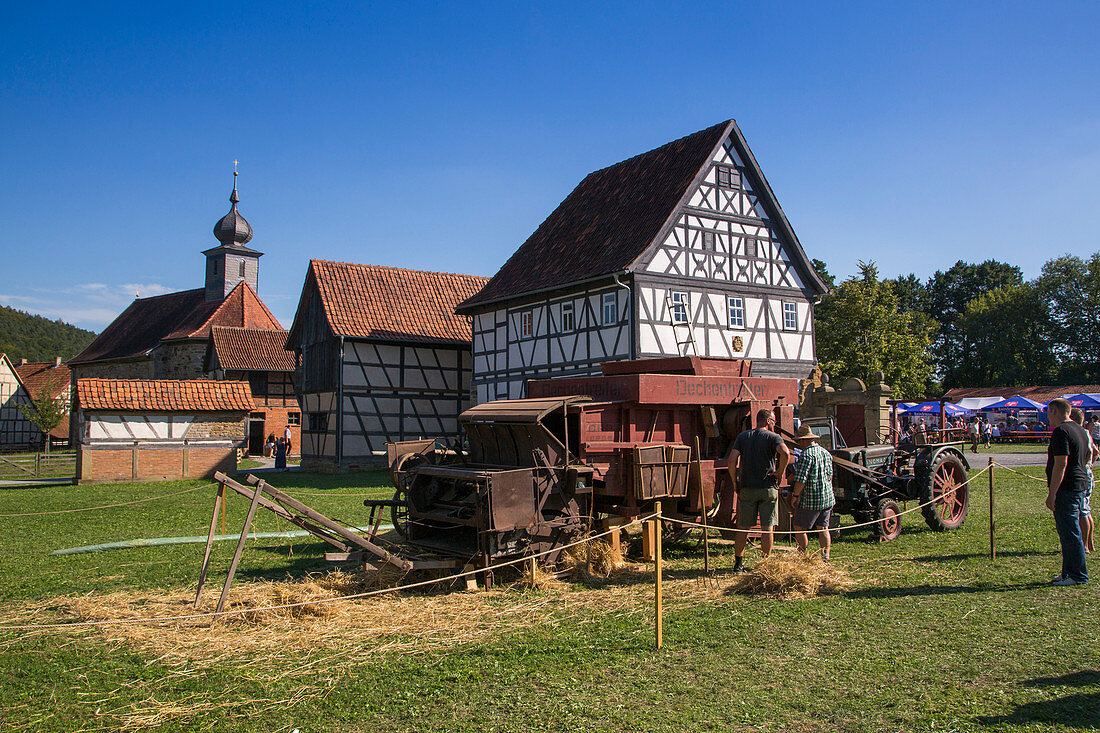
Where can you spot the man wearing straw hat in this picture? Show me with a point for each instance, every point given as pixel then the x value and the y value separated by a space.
pixel 812 500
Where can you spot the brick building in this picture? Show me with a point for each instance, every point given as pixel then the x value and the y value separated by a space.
pixel 171 336
pixel 259 357
pixel 157 429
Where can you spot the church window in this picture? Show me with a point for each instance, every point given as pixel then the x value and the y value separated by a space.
pixel 737 312
pixel 729 178
pixel 610 309
pixel 568 322
pixel 526 321
pixel 241 269
pixel 678 307
pixel 790 317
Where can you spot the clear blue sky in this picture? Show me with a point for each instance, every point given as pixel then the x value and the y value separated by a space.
pixel 439 136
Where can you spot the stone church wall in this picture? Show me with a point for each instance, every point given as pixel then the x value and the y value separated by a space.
pixel 180 360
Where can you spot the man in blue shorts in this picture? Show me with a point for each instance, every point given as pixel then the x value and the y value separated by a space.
pixel 812 500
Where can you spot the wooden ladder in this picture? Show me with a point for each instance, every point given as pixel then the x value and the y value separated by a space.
pixel 689 339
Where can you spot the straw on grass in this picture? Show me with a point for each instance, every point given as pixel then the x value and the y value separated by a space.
pixel 792 575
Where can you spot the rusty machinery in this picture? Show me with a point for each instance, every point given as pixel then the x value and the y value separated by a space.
pixel 534 473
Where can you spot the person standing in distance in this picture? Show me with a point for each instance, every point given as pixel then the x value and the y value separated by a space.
pixel 1078 416
pixel 1067 461
pixel 756 465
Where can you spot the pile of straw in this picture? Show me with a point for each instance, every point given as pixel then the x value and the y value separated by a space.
pixel 595 559
pixel 792 575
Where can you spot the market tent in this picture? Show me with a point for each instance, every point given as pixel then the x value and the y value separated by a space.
pixel 1015 403
pixel 933 408
pixel 977 403
pixel 1084 401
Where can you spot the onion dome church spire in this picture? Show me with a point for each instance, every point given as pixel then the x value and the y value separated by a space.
pixel 231 261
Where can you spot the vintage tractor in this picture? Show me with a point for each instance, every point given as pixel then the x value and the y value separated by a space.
pixel 871 482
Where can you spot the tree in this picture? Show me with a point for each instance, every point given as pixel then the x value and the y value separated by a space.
pixel 1008 330
pixel 1070 287
pixel 823 272
pixel 949 292
pixel 46 411
pixel 911 293
pixel 861 330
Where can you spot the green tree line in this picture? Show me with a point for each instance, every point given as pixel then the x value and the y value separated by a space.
pixel 972 325
pixel 34 338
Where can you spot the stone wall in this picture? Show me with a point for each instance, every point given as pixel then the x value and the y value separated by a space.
pixel 218 425
pixel 136 369
pixel 823 400
pixel 181 360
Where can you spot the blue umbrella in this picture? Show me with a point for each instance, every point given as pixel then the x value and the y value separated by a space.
pixel 933 408
pixel 1015 403
pixel 1084 401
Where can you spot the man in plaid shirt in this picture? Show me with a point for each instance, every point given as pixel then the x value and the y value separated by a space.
pixel 812 500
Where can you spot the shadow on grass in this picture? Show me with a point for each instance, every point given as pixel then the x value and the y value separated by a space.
pixel 1073 679
pixel 981 555
pixel 938 590
pixel 1081 711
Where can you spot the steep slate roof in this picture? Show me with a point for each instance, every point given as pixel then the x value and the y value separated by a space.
pixel 38 374
pixel 1041 393
pixel 149 321
pixel 251 349
pixel 163 395
pixel 615 214
pixel 391 303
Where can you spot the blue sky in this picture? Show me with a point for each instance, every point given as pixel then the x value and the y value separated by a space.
pixel 438 136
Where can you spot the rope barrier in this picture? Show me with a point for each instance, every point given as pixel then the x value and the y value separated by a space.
pixel 353 596
pixel 107 506
pixel 833 529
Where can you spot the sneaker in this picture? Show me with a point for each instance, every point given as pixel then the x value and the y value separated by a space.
pixel 824 558
pixel 1066 581
pixel 1056 578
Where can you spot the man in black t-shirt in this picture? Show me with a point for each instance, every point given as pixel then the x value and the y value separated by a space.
pixel 1067 462
pixel 756 464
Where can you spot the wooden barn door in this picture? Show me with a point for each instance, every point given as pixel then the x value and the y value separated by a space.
pixel 849 421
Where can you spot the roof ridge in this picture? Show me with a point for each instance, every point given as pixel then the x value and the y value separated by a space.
pixel 248 328
pixel 167 295
pixel 677 141
pixel 400 269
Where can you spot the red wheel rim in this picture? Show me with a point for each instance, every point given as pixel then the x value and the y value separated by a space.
pixel 891 525
pixel 949 492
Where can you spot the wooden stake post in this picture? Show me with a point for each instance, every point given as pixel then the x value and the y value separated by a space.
pixel 219 503
pixel 658 599
pixel 992 523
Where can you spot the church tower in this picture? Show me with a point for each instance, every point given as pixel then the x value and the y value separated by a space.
pixel 231 261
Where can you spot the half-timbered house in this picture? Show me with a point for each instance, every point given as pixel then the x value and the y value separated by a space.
pixel 52 380
pixel 382 357
pixel 15 429
pixel 683 250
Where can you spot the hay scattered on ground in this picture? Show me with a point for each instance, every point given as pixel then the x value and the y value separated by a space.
pixel 595 559
pixel 792 575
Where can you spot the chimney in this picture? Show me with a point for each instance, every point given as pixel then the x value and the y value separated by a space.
pixel 22 362
pixel 57 361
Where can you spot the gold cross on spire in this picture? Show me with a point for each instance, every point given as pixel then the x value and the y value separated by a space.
pixel 235 166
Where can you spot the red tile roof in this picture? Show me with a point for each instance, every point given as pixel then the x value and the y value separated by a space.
pixel 163 395
pixel 148 321
pixel 370 301
pixel 38 374
pixel 251 349
pixel 1039 394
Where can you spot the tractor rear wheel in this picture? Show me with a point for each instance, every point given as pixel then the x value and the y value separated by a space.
pixel 944 493
pixel 888 516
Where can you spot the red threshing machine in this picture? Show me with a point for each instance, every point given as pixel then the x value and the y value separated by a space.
pixel 535 473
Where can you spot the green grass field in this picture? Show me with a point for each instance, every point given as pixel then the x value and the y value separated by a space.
pixel 934 636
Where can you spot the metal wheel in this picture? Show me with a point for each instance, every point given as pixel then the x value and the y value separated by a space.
pixel 945 486
pixel 888 516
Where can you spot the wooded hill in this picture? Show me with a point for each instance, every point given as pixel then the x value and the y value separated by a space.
pixel 34 338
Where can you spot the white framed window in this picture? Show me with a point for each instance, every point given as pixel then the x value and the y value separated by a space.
pixel 568 319
pixel 790 316
pixel 610 309
pixel 526 324
pixel 678 308
pixel 736 311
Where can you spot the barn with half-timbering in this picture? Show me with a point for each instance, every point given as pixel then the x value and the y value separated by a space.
pixel 683 250
pixel 381 357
